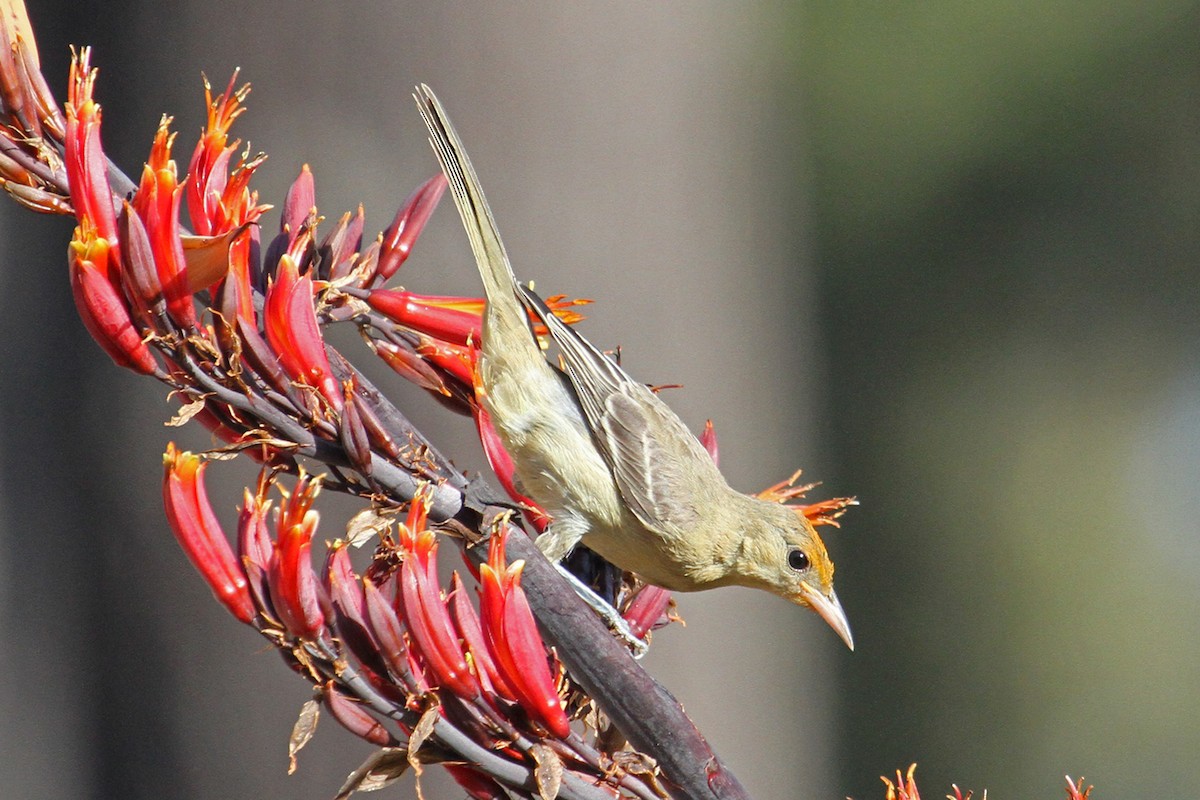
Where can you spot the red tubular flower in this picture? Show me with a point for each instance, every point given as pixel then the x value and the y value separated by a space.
pixel 294 591
pixel 157 203
pixel 209 168
pixel 428 314
pixel 512 638
pixel 196 527
pixel 100 304
pixel 293 332
pixel 454 359
pixel 221 205
pixel 905 787
pixel 84 160
pixel 410 220
pixel 1075 790
pixel 424 611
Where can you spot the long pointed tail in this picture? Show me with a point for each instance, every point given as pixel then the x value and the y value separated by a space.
pixel 499 283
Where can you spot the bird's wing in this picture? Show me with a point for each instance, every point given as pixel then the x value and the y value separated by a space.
pixel 652 455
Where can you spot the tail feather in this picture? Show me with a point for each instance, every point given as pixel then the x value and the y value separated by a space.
pixel 500 285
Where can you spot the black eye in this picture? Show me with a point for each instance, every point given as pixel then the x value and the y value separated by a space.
pixel 797 560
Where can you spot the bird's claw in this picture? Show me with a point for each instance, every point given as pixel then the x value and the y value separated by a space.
pixel 611 617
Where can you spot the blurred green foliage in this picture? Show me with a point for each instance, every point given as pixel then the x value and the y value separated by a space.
pixel 1005 216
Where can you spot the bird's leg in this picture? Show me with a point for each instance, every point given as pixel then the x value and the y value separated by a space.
pixel 612 618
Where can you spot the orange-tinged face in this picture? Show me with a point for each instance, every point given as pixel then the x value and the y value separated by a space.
pixel 783 554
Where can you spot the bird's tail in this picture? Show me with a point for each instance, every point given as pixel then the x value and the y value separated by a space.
pixel 506 314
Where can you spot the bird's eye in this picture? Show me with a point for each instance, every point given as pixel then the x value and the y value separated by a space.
pixel 797 560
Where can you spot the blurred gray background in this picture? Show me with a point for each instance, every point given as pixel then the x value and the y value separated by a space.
pixel 943 256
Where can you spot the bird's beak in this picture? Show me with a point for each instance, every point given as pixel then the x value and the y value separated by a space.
pixel 829 609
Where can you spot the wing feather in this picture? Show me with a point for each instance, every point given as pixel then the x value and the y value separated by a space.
pixel 648 449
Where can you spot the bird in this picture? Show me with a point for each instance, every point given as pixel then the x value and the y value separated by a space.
pixel 615 468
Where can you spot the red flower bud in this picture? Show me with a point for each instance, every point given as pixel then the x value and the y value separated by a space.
pixel 353 433
pixel 195 526
pixel 298 203
pixel 356 719
pixel 410 220
pixel 385 626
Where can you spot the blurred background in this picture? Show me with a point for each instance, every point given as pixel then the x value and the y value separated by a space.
pixel 941 256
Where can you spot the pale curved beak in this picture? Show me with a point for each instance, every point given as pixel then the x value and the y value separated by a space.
pixel 830 610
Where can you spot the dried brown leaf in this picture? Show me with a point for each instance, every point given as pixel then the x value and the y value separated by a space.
pixel 185 413
pixel 367 525
pixel 382 768
pixel 302 731
pixel 549 771
pixel 420 734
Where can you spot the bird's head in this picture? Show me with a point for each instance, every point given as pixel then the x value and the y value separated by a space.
pixel 782 553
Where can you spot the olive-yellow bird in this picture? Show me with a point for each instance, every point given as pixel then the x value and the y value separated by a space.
pixel 610 462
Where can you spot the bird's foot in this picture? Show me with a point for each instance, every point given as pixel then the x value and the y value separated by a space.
pixel 611 617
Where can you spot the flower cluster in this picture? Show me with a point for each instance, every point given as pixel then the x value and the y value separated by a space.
pixel 389 651
pixel 234 326
pixel 905 788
